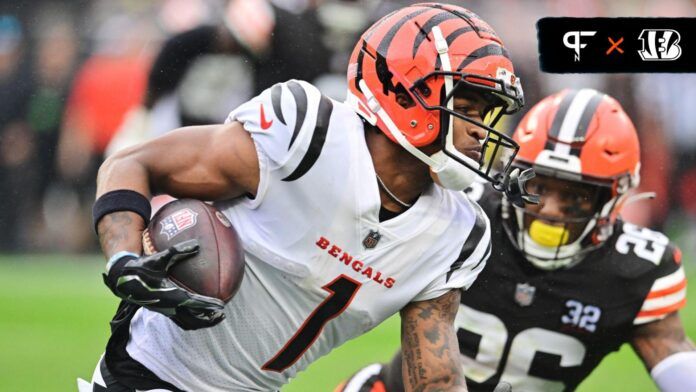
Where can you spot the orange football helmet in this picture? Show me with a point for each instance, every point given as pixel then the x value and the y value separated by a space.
pixel 581 136
pixel 427 53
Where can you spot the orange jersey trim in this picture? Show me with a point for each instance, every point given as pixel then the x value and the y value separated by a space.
pixel 663 311
pixel 668 290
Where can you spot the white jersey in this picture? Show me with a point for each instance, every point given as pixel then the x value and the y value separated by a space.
pixel 321 268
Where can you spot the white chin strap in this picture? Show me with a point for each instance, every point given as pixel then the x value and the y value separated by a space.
pixel 450 173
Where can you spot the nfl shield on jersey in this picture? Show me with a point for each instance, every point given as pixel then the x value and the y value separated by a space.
pixel 321 268
pixel 524 294
pixel 371 239
pixel 547 330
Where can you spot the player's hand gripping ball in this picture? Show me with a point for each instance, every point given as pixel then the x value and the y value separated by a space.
pixel 214 270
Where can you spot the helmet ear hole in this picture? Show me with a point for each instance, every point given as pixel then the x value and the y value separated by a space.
pixel 423 88
pixel 403 98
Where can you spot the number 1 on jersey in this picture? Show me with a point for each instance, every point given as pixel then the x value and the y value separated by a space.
pixel 341 290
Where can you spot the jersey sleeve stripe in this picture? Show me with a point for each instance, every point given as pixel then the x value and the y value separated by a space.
pixel 478 259
pixel 668 281
pixel 473 240
pixel 643 320
pixel 484 258
pixel 317 142
pixel 276 97
pixel 660 302
pixel 301 104
pixel 667 291
pixel 663 311
pixel 667 294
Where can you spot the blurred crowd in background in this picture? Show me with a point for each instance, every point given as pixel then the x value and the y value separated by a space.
pixel 83 78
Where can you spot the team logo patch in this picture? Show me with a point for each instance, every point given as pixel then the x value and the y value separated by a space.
pixel 371 239
pixel 178 222
pixel 660 45
pixel 524 294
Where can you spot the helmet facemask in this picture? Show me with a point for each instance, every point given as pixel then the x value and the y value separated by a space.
pixel 497 149
pixel 583 137
pixel 553 242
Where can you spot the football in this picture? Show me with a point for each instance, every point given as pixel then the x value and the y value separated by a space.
pixel 218 267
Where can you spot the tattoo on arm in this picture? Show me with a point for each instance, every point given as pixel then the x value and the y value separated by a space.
pixel 431 359
pixel 120 231
pixel 656 341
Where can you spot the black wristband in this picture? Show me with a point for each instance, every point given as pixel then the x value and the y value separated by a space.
pixel 121 200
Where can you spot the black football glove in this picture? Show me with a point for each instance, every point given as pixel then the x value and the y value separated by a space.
pixel 515 187
pixel 143 281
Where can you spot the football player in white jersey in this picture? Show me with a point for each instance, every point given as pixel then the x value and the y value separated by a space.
pixel 569 281
pixel 348 212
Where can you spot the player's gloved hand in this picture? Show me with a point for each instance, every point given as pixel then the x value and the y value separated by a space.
pixel 515 187
pixel 190 318
pixel 143 280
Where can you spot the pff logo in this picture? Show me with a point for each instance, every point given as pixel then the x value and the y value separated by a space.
pixel 659 45
pixel 571 40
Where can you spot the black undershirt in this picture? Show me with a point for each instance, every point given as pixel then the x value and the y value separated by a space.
pixel 385 214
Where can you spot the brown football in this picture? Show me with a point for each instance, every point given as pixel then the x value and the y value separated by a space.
pixel 218 267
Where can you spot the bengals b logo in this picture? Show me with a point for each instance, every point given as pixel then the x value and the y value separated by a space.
pixel 659 45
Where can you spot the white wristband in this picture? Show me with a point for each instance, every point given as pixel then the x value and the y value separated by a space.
pixel 117 257
pixel 676 373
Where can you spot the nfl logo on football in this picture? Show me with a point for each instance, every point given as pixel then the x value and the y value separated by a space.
pixel 178 222
pixel 524 294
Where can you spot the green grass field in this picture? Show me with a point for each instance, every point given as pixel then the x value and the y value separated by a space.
pixel 54 314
